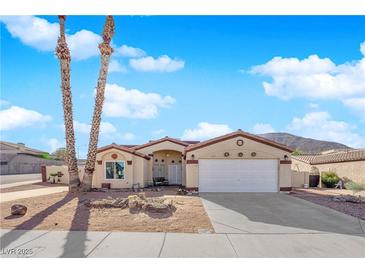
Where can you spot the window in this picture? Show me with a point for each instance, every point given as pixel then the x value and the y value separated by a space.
pixel 114 170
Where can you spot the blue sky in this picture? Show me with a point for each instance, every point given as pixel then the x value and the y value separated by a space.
pixel 187 77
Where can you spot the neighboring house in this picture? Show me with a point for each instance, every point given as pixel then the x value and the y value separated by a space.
pixel 20 159
pixel 349 163
pixel 236 162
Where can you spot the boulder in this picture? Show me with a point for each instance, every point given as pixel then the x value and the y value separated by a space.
pixel 108 203
pixel 156 207
pixel 18 209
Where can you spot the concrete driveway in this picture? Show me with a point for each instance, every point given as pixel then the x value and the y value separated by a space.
pixel 278 225
pixel 246 225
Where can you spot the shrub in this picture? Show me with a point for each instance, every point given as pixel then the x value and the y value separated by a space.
pixel 297 152
pixel 355 187
pixel 329 179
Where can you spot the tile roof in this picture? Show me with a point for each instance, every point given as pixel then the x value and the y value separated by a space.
pixel 21 148
pixel 154 142
pixel 125 149
pixel 343 156
pixel 240 133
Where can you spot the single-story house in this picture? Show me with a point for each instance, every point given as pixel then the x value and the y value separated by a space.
pixel 17 158
pixel 236 162
pixel 350 164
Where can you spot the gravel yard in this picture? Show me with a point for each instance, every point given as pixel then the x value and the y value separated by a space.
pixel 324 198
pixel 64 211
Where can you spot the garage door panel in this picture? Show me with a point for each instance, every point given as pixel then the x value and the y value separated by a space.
pixel 221 175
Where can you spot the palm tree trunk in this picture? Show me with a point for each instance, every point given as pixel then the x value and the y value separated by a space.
pixel 63 55
pixel 106 51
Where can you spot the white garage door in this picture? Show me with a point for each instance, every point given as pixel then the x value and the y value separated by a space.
pixel 238 175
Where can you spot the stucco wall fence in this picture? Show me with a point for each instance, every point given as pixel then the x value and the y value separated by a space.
pixel 354 170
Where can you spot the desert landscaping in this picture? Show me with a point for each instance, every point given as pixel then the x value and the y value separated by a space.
pixel 154 210
pixel 341 200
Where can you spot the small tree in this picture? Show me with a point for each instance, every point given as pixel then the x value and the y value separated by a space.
pixel 60 153
pixel 297 152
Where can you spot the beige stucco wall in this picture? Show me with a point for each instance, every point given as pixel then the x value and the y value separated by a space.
pixel 159 151
pixel 134 173
pixel 192 175
pixel 65 178
pixel 355 170
pixel 217 150
pixel 168 156
pixel 166 145
pixel 299 178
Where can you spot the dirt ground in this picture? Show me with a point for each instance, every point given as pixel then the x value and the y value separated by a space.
pixel 323 197
pixel 64 211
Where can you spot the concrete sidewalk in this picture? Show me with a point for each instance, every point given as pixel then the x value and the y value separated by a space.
pixel 22 183
pixel 36 243
pixel 12 196
pixel 15 178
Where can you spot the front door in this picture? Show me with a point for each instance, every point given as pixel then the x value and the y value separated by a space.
pixel 174 174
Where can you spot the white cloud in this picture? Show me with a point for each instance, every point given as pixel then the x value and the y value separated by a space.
pixel 42 35
pixel 158 131
pixel 83 44
pixel 106 128
pixel 127 136
pixel 32 31
pixel 319 125
pixel 261 128
pixel 133 103
pixel 314 78
pixel 116 66
pixel 356 104
pixel 313 105
pixel 4 103
pixel 162 64
pixel 129 52
pixel 54 144
pixel 362 48
pixel 18 117
pixel 206 130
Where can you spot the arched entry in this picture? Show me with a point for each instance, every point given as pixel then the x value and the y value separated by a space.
pixel 167 167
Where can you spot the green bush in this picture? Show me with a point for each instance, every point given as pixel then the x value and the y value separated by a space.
pixel 355 187
pixel 330 179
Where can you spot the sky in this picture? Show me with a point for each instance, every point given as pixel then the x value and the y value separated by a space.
pixel 188 77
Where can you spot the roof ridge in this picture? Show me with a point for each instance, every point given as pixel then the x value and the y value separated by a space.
pixel 166 138
pixel 240 133
pixel 123 148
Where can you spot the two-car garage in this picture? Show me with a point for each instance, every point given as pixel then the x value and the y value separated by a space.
pixel 238 175
pixel 238 162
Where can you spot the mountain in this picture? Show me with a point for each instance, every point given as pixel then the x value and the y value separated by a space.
pixel 306 145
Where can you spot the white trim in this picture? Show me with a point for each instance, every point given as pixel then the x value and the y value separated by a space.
pixel 113 161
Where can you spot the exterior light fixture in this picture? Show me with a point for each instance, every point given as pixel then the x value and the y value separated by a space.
pixel 239 142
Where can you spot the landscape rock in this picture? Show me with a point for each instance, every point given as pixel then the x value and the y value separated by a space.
pixel 347 198
pixel 18 209
pixel 108 203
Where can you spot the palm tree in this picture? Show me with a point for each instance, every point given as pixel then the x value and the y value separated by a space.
pixel 64 56
pixel 106 51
